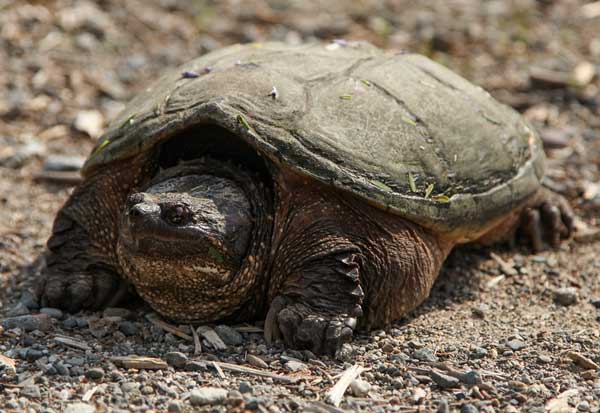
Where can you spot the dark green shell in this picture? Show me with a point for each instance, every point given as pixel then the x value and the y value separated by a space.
pixel 397 130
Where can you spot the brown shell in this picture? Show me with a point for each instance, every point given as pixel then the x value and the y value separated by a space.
pixel 398 130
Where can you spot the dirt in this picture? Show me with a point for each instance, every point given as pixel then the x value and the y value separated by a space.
pixel 507 332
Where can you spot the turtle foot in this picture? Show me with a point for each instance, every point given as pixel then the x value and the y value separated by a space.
pixel 547 220
pixel 78 291
pixel 303 327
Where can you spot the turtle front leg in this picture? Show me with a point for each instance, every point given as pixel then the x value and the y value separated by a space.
pixel 76 275
pixel 82 270
pixel 317 307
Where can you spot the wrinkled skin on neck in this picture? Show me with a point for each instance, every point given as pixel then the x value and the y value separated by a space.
pixel 187 242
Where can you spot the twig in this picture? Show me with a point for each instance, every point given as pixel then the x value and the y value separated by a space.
pixel 255 372
pixel 335 395
pixel 219 370
pixel 168 327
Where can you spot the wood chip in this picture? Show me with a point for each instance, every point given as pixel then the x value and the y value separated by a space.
pixel 197 344
pixel 582 361
pixel 505 267
pixel 495 281
pixel 140 362
pixel 335 395
pixel 71 342
pixel 212 337
pixel 89 394
pixel 153 318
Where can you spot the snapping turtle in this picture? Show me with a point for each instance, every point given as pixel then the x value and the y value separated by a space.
pixel 320 187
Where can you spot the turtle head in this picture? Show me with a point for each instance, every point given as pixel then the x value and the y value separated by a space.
pixel 184 239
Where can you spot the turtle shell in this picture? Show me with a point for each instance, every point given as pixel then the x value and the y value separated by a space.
pixel 396 129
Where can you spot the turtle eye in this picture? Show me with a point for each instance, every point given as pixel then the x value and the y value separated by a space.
pixel 177 215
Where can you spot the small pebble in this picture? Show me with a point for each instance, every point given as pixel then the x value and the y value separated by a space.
pixel 40 322
pixel 425 354
pixel 443 406
pixel 246 387
pixel 176 359
pixel 129 328
pixel 516 345
pixel 235 398
pixel 595 302
pixel 174 406
pixel 79 408
pixel 444 380
pixel 256 361
pixel 566 296
pixel 31 392
pixel 478 353
pixel 130 386
pixel 52 312
pixel 229 335
pixel 18 310
pixel 468 408
pixel 360 388
pixel 207 395
pixel 294 366
pixel 29 300
pixel 95 373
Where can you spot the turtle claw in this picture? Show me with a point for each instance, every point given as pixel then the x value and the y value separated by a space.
pixel 78 291
pixel 547 221
pixel 302 327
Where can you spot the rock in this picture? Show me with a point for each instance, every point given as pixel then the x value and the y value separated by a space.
pixel 235 398
pixel 388 348
pixel 196 366
pixel 129 328
pixel 40 322
pixel 566 296
pixel 543 359
pixel 212 338
pixel 52 312
pixel 95 373
pixel 471 377
pixel 18 310
pixel 63 163
pixel 444 380
pixel 79 408
pixel 176 359
pixel 425 354
pixel 174 406
pixel 31 392
pixel 468 408
pixel 360 388
pixel 246 387
pixel 595 302
pixel 29 300
pixel 256 361
pixel 478 353
pixel 294 366
pixel 130 386
pixel 90 122
pixel 207 395
pixel 118 312
pixel 70 323
pixel 516 345
pixel 583 73
pixel 229 335
pixel 443 406
pixel 33 354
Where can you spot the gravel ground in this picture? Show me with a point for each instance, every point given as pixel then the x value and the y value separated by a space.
pixel 503 331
